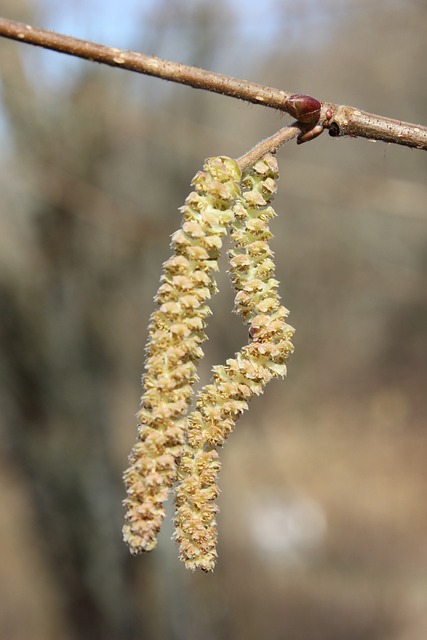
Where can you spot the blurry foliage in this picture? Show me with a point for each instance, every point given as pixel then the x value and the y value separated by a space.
pixel 91 178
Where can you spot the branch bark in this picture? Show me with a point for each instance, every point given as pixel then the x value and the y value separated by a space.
pixel 341 120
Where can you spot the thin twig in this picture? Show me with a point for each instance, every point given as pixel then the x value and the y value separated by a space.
pixel 341 120
pixel 269 145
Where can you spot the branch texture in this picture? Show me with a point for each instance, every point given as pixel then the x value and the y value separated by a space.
pixel 341 120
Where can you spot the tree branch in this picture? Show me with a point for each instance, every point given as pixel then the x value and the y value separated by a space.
pixel 341 120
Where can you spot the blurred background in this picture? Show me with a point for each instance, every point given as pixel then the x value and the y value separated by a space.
pixel 323 517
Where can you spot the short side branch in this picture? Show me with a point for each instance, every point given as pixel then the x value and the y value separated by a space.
pixel 340 120
pixel 269 145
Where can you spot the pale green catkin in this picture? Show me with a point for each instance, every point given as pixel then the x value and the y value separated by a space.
pixel 176 332
pixel 220 403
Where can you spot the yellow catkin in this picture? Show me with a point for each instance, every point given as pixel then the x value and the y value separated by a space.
pixel 176 332
pixel 220 403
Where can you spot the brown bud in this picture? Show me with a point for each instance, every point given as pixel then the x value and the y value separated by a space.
pixel 304 108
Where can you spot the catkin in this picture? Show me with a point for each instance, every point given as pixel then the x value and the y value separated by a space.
pixel 220 403
pixel 176 331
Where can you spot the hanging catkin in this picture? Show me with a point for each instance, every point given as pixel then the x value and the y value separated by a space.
pixel 176 332
pixel 220 403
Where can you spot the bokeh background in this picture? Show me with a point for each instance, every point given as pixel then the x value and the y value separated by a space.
pixel 323 523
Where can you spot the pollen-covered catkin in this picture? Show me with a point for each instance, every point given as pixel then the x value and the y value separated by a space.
pixel 220 403
pixel 176 332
